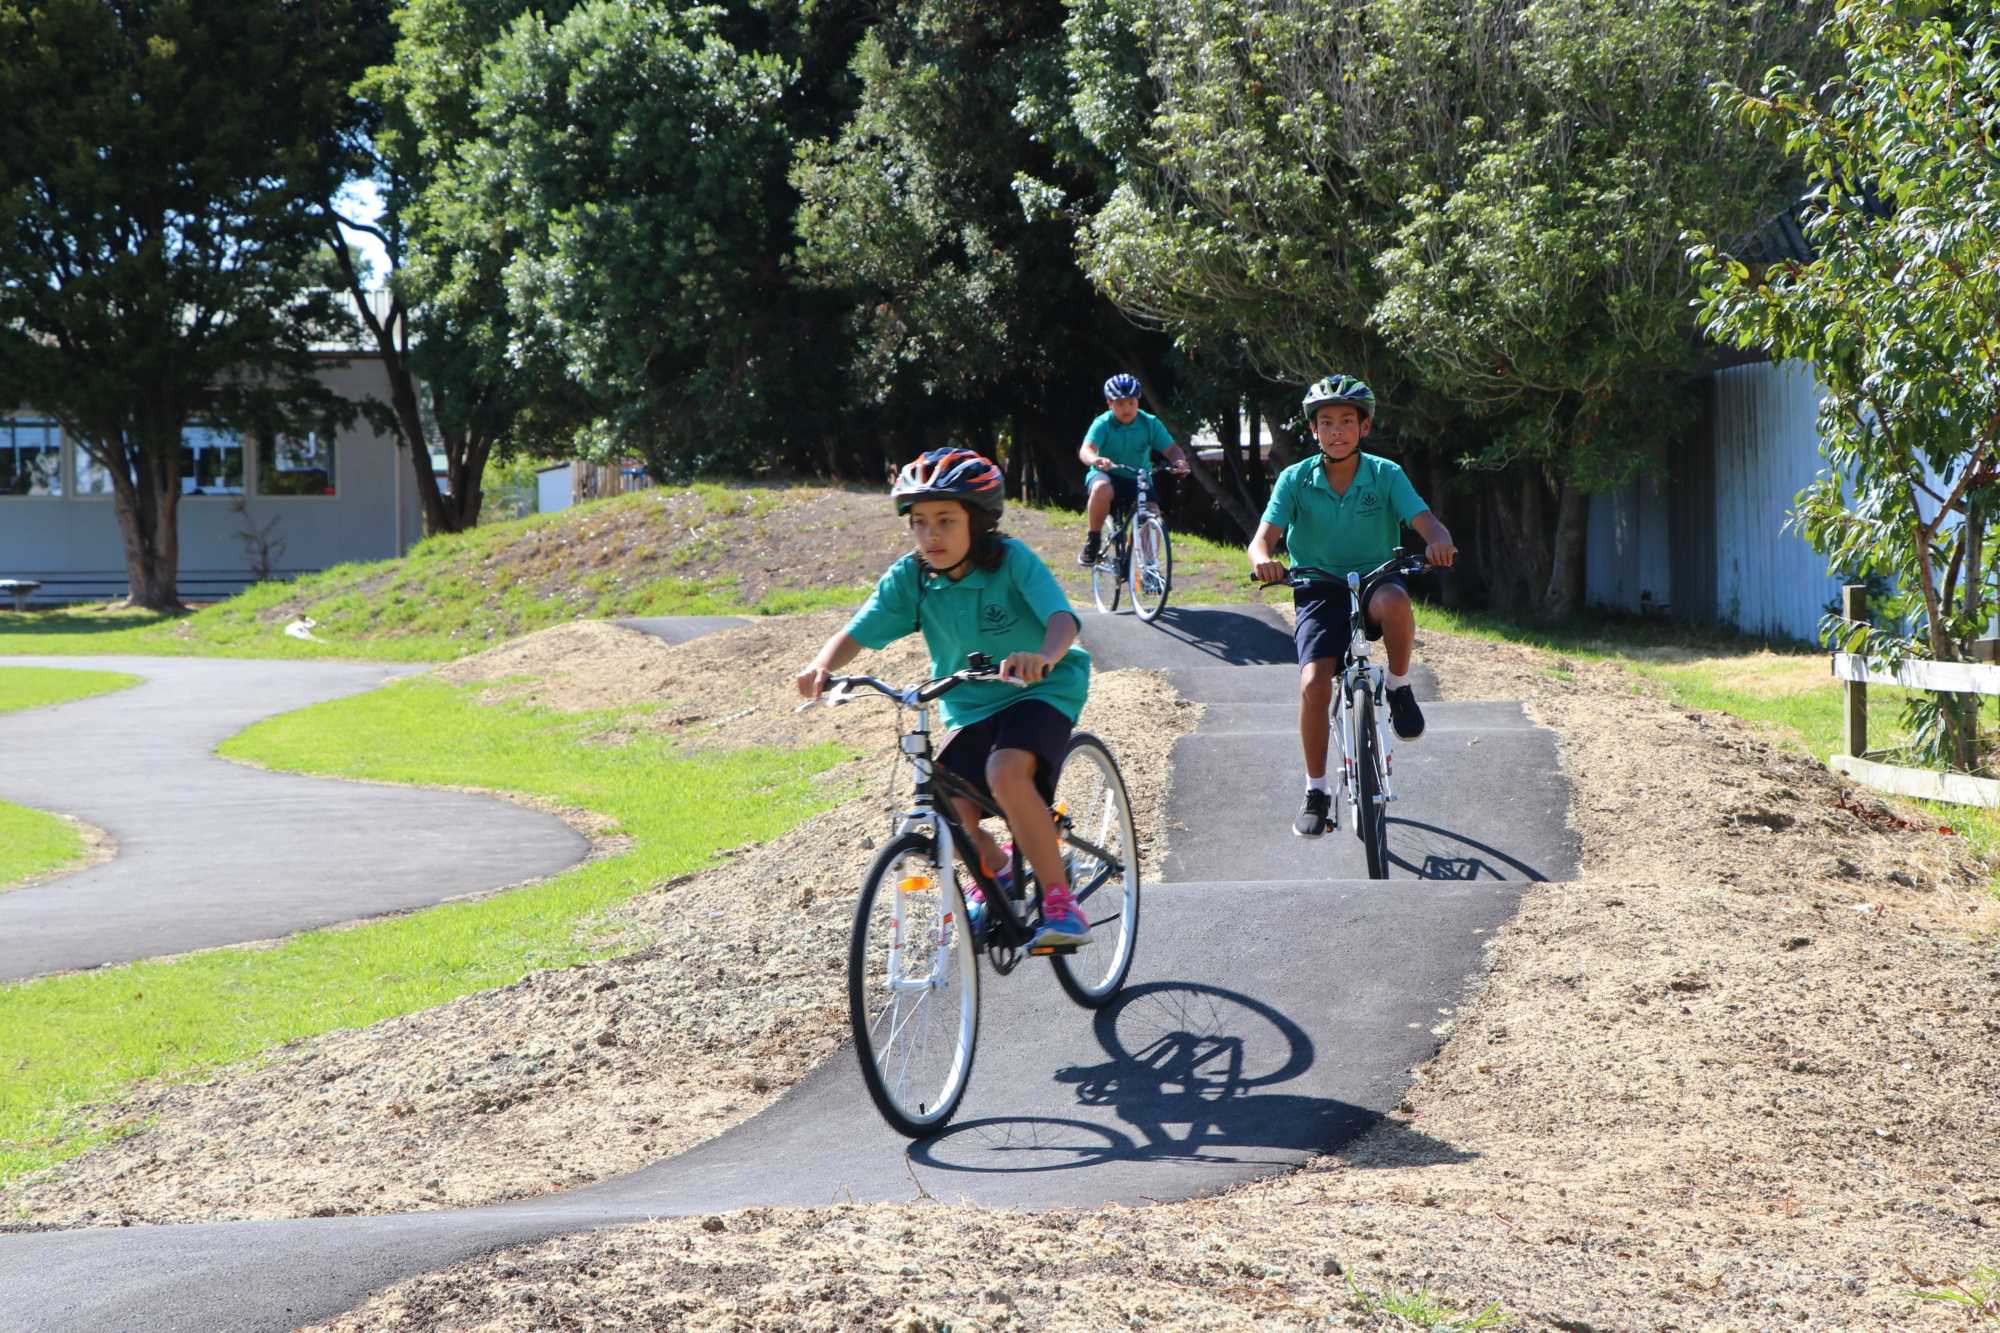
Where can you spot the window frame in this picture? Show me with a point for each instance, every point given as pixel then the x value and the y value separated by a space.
pixel 23 418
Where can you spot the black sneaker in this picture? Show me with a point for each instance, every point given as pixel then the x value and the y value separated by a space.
pixel 1404 713
pixel 1314 818
pixel 1093 550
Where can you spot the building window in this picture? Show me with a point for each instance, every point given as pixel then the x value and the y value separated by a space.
pixel 296 465
pixel 30 457
pixel 211 462
pixel 90 478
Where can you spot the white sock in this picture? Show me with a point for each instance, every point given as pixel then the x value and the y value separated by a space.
pixel 1317 784
pixel 1397 682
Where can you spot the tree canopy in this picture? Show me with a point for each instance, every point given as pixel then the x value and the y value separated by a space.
pixel 1478 206
pixel 1898 310
pixel 157 256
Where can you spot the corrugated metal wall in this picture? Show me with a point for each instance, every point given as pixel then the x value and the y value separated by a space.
pixel 1626 564
pixel 1767 579
pixel 1712 542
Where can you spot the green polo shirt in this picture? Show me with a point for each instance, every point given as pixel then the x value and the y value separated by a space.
pixel 1342 534
pixel 1133 445
pixel 1006 611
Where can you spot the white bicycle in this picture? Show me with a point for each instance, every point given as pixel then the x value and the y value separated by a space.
pixel 1367 761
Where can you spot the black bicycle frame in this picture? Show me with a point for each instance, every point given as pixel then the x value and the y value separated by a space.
pixel 1009 928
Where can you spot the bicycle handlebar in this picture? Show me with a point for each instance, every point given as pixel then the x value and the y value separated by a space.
pixel 1307 576
pixel 839 689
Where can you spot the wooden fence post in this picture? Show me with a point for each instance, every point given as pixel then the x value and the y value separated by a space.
pixel 1854 726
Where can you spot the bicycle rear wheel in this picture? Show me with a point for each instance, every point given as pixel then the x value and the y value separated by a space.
pixel 912 988
pixel 1152 566
pixel 1101 847
pixel 1372 819
pixel 1105 578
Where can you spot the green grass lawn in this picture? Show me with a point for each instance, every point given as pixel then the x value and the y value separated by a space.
pixel 37 687
pixel 69 1040
pixel 31 841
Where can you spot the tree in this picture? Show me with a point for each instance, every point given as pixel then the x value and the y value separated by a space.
pixel 966 310
pixel 438 318
pixel 154 254
pixel 1475 204
pixel 1898 311
pixel 623 187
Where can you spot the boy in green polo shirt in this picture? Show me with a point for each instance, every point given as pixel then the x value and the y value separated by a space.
pixel 1342 510
pixel 1123 436
pixel 970 588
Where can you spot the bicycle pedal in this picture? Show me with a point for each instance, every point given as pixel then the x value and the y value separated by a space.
pixel 1044 950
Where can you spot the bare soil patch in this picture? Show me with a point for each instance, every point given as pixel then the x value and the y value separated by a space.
pixel 575 1075
pixel 1738 1076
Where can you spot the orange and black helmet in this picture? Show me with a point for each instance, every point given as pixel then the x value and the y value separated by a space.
pixel 950 474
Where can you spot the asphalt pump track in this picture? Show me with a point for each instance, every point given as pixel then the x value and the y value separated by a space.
pixel 1276 1006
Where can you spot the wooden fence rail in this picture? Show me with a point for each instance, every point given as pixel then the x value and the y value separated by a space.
pixel 1859 672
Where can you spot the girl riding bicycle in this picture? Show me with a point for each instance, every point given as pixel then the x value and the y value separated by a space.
pixel 1342 510
pixel 970 588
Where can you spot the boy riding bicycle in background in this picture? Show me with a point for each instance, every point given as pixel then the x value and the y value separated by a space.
pixel 970 588
pixel 1342 511
pixel 1127 436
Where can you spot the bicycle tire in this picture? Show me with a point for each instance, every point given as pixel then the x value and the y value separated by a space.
pixel 1091 792
pixel 1152 577
pixel 1373 818
pixel 915 1061
pixel 1105 580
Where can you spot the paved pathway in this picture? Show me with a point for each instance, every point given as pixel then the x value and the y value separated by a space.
pixel 212 852
pixel 1274 1011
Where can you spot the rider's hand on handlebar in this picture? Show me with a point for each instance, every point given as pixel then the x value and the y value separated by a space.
pixel 1441 554
pixel 813 680
pixel 1269 571
pixel 1024 668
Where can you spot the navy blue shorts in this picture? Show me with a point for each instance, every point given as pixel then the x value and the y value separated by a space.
pixel 1124 487
pixel 1040 728
pixel 1322 630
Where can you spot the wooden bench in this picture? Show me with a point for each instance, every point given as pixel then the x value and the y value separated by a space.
pixel 19 589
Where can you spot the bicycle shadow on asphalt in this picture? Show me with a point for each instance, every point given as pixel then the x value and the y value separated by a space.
pixel 1233 637
pixel 1195 1076
pixel 1431 852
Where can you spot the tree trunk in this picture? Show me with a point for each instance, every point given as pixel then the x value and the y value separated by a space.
pixel 1516 563
pixel 1017 460
pixel 1219 496
pixel 1563 597
pixel 146 496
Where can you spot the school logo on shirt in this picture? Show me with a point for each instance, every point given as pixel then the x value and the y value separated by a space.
pixel 1370 502
pixel 996 618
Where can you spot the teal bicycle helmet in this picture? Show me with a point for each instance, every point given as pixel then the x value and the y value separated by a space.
pixel 1340 389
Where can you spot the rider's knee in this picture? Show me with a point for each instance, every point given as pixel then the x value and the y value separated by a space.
pixel 1010 770
pixel 1387 600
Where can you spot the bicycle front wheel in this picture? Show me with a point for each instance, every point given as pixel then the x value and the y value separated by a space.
pixel 1152 566
pixel 1101 847
pixel 1372 820
pixel 912 988
pixel 1105 579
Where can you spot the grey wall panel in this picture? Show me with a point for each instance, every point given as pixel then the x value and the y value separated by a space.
pixel 72 543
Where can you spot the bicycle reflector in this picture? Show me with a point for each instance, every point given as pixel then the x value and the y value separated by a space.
pixel 915 883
